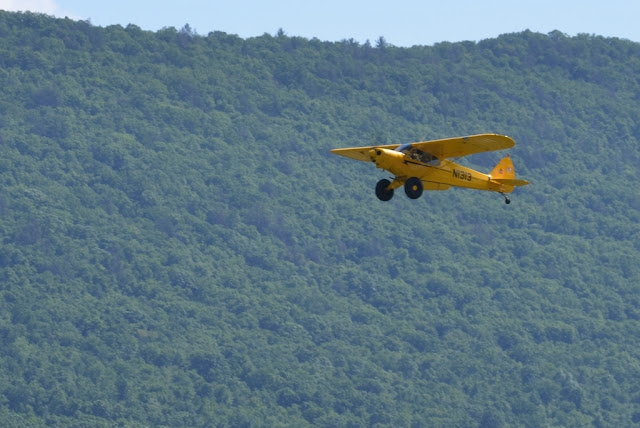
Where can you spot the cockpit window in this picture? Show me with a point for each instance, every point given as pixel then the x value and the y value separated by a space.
pixel 416 154
pixel 403 147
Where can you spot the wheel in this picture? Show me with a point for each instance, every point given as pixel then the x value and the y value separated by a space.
pixel 382 192
pixel 507 200
pixel 413 188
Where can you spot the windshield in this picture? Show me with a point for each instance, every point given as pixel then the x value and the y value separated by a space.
pixel 416 154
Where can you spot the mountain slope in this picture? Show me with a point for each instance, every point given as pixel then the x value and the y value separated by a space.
pixel 179 248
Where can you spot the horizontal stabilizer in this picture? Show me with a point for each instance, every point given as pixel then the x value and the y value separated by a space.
pixel 510 181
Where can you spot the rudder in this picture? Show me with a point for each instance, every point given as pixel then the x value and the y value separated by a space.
pixel 504 170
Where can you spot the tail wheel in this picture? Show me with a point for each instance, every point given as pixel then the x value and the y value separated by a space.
pixel 506 198
pixel 413 188
pixel 382 192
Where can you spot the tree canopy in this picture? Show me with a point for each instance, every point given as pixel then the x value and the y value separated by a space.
pixel 179 247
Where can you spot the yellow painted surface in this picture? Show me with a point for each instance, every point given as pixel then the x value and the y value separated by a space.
pixel 434 167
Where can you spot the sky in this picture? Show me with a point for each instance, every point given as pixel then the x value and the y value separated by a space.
pixel 402 23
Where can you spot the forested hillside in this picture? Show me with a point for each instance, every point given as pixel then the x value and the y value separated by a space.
pixel 179 247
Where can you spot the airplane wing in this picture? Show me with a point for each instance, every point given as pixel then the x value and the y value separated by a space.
pixel 361 153
pixel 442 149
pixel 463 146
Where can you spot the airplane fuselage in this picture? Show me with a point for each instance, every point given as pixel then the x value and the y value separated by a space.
pixel 426 165
pixel 438 175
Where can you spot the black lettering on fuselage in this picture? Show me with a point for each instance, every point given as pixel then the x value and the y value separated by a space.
pixel 462 175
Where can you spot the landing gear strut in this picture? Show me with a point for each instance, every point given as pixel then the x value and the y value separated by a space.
pixel 506 198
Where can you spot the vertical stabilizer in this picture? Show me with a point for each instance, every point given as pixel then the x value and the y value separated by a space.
pixel 504 170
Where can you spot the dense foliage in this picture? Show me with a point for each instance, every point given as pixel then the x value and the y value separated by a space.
pixel 179 248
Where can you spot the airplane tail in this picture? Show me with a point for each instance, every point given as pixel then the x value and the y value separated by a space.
pixel 504 173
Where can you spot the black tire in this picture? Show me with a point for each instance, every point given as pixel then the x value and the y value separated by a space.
pixel 381 190
pixel 507 200
pixel 413 188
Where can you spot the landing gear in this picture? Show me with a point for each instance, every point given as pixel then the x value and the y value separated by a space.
pixel 382 192
pixel 506 198
pixel 413 188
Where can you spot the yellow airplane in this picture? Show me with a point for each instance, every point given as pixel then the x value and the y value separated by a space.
pixel 426 165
